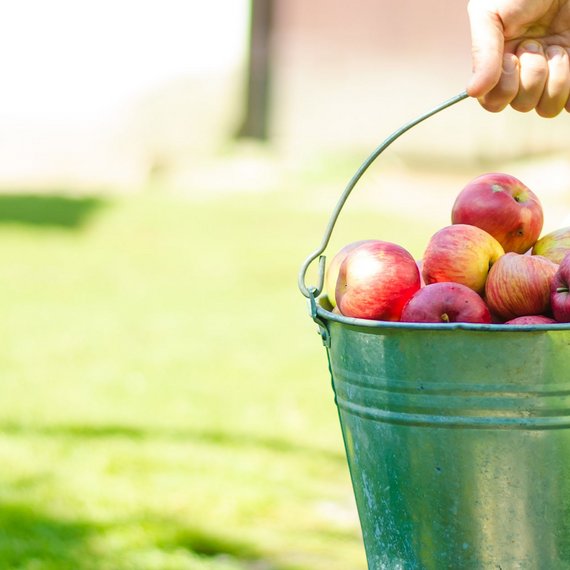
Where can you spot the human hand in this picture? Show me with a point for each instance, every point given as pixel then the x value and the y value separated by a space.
pixel 521 55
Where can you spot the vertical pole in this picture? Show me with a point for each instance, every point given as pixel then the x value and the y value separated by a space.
pixel 256 117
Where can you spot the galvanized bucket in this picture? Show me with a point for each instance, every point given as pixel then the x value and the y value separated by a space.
pixel 457 436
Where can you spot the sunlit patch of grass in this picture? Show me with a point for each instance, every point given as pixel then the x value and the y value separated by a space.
pixel 165 397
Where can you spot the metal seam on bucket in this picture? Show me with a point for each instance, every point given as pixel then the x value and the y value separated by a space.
pixel 440 421
pixel 473 390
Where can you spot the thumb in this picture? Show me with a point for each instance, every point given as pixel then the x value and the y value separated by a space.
pixel 487 44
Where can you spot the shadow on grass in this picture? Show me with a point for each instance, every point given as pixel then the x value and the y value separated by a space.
pixel 42 209
pixel 27 537
pixel 208 544
pixel 221 438
pixel 32 539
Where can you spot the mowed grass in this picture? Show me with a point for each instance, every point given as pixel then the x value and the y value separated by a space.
pixel 165 401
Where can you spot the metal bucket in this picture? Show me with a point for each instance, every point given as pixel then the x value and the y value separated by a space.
pixel 457 436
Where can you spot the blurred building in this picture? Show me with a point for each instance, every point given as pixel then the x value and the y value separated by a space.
pixel 350 73
pixel 122 94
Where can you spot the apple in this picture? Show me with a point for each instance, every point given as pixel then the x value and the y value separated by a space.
pixel 446 302
pixel 375 281
pixel 460 253
pixel 503 206
pixel 559 291
pixel 519 285
pixel 531 320
pixel 331 274
pixel 554 245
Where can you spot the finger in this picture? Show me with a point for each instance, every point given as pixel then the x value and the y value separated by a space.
pixel 533 76
pixel 487 49
pixel 506 90
pixel 557 88
pixel 567 105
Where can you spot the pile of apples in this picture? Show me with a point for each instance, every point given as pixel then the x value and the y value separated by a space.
pixel 489 266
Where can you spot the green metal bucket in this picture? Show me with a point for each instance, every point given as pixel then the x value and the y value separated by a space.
pixel 457 436
pixel 458 442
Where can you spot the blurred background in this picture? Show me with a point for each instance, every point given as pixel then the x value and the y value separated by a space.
pixel 165 167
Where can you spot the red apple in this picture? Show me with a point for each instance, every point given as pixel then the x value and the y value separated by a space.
pixel 446 302
pixel 559 291
pixel 375 281
pixel 519 285
pixel 462 254
pixel 331 274
pixel 503 206
pixel 531 320
pixel 554 245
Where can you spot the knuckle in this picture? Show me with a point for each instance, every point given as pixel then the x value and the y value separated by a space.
pixel 493 106
pixel 548 112
pixel 522 106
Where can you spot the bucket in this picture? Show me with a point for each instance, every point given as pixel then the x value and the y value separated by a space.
pixel 457 436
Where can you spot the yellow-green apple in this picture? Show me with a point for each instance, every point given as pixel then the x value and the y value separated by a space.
pixel 531 320
pixel 503 206
pixel 460 253
pixel 519 285
pixel 554 245
pixel 331 274
pixel 375 281
pixel 446 302
pixel 559 291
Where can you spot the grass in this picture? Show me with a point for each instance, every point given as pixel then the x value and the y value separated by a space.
pixel 165 399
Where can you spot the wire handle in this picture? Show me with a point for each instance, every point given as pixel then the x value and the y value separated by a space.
pixel 312 292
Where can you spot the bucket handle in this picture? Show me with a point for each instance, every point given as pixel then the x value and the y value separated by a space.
pixel 312 292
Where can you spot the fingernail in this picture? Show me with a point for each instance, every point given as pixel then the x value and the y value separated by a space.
pixel 554 52
pixel 509 63
pixel 532 47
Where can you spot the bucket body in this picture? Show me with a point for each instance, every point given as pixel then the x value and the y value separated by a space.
pixel 458 442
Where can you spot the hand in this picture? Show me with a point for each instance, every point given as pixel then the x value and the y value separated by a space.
pixel 521 55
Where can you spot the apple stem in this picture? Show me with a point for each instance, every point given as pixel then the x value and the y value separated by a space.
pixel 562 289
pixel 445 318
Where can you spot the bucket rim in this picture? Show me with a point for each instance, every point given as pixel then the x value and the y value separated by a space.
pixel 328 315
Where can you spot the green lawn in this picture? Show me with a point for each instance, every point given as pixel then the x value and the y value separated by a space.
pixel 165 402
